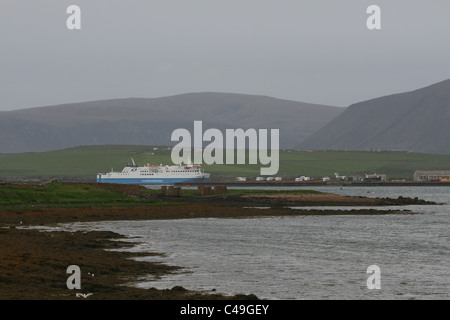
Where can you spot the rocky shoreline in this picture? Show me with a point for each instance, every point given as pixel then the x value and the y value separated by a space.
pixel 34 263
pixel 321 199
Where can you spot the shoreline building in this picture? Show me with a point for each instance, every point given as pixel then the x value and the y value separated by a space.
pixel 375 177
pixel 432 175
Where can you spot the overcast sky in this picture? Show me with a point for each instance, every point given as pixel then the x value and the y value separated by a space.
pixel 305 50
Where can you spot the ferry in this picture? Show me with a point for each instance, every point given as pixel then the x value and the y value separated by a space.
pixel 154 174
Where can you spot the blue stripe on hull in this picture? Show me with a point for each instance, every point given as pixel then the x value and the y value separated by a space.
pixel 149 181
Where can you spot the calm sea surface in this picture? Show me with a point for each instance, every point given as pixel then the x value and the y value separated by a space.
pixel 305 257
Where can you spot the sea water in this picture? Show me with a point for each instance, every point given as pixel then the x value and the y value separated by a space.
pixel 304 257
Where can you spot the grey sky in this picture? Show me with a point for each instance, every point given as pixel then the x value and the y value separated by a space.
pixel 305 50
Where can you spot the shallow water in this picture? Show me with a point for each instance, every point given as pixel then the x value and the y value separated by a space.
pixel 305 257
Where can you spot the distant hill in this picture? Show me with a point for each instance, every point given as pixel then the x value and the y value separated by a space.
pixel 415 121
pixel 143 121
pixel 83 163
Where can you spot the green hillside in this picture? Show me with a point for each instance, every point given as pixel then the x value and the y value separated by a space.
pixel 83 163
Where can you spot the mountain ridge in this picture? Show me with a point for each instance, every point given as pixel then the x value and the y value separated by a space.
pixel 152 120
pixel 414 121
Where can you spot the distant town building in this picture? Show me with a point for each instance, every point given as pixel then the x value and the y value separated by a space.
pixel 339 177
pixel 375 177
pixel 356 177
pixel 432 175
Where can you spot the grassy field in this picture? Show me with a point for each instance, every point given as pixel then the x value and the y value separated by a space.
pixel 83 163
pixel 62 195
pixel 26 195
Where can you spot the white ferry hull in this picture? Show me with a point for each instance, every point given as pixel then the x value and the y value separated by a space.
pixel 145 181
